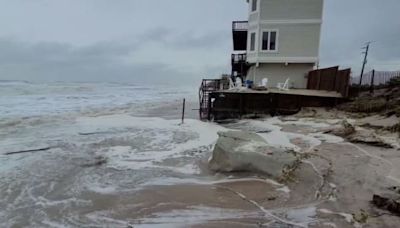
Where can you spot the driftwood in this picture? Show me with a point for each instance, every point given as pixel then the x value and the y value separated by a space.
pixel 92 133
pixel 28 151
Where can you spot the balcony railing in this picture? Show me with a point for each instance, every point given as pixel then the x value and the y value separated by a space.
pixel 238 58
pixel 239 65
pixel 240 26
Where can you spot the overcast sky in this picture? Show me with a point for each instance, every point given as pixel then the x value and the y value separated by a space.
pixel 175 41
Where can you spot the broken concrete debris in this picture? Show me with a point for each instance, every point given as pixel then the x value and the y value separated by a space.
pixel 368 137
pixel 344 130
pixel 245 151
pixel 358 135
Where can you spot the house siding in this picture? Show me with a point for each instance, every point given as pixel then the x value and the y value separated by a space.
pixel 278 73
pixel 290 9
pixel 298 23
pixel 253 17
pixel 294 40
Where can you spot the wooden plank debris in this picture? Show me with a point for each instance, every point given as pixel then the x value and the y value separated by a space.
pixel 28 151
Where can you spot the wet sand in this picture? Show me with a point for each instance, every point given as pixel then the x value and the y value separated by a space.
pixel 354 178
pixel 330 189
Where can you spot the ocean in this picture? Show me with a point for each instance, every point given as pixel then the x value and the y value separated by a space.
pixel 26 100
pixel 93 146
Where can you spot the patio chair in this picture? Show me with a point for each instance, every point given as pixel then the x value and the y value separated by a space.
pixel 231 84
pixel 239 83
pixel 264 82
pixel 283 86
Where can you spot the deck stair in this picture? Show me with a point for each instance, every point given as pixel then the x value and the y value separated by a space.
pixel 240 66
pixel 207 87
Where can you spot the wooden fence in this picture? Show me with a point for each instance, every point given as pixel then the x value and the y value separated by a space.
pixel 330 79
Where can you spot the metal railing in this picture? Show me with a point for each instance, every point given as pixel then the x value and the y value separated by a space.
pixel 240 25
pixel 237 58
pixel 377 78
pixel 206 88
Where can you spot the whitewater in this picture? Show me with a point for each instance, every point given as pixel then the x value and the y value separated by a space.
pixel 82 124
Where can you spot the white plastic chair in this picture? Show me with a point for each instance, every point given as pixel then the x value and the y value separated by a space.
pixel 283 86
pixel 264 82
pixel 239 83
pixel 231 84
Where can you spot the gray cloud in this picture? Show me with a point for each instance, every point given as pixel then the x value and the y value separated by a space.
pixel 104 61
pixel 186 39
pixel 209 40
pixel 172 41
pixel 62 62
pixel 348 24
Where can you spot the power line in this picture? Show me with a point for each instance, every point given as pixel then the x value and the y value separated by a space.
pixel 387 64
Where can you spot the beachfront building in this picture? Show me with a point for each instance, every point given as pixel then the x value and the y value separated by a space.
pixel 279 41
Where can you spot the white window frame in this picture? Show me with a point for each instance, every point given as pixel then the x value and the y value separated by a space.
pixel 269 40
pixel 251 12
pixel 255 41
pixel 252 4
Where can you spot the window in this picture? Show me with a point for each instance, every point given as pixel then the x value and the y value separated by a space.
pixel 272 43
pixel 253 5
pixel 265 41
pixel 269 41
pixel 253 41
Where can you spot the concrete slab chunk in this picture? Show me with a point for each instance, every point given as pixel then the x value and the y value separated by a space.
pixel 237 151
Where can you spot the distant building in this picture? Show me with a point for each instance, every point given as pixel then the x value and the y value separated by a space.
pixel 280 40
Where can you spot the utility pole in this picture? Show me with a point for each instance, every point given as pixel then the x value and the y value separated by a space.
pixel 365 61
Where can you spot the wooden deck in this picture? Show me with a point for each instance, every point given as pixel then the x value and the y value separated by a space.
pixel 300 92
pixel 325 88
pixel 226 104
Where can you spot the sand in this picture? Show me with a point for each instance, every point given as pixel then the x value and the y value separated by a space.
pixel 249 203
pixel 330 189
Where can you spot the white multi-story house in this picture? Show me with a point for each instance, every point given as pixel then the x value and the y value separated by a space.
pixel 281 41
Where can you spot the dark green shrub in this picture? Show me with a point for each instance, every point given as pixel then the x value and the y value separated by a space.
pixel 394 82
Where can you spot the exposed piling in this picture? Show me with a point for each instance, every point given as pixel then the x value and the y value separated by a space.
pixel 183 110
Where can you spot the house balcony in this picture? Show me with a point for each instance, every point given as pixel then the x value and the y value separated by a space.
pixel 239 31
pixel 239 65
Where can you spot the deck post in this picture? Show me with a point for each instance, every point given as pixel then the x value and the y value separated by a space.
pixel 241 105
pixel 319 81
pixel 371 88
pixel 209 107
pixel 274 104
pixel 183 110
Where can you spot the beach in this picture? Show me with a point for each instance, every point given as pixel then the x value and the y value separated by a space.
pixel 135 164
